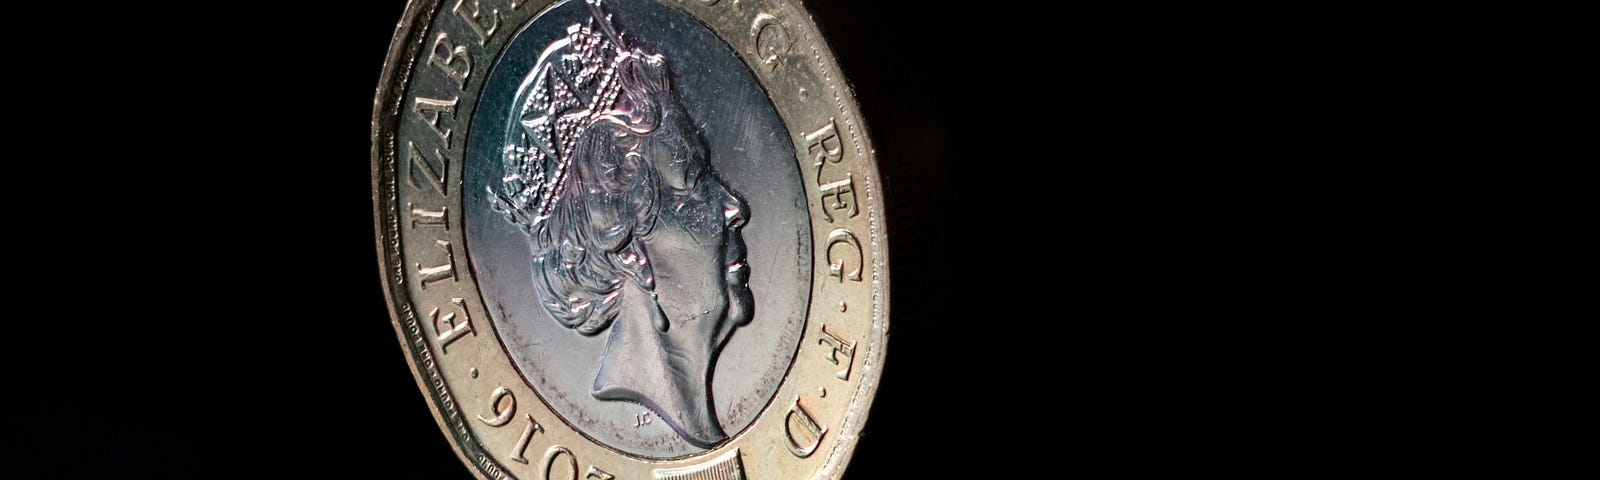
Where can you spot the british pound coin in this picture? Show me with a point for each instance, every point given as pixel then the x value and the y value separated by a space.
pixel 631 238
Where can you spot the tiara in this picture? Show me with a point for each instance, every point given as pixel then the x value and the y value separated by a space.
pixel 575 82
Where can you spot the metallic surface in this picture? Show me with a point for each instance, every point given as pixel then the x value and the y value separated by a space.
pixel 699 291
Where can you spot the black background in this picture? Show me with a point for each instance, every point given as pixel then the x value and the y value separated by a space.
pixel 1330 241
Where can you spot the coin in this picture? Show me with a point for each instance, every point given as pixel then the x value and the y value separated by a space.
pixel 630 238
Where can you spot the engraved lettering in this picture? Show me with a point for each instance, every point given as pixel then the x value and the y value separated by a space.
pixel 483 26
pixel 643 419
pixel 522 442
pixel 550 461
pixel 501 416
pixel 440 218
pixel 725 467
pixel 434 176
pixel 447 270
pixel 772 39
pixel 798 416
pixel 432 109
pixel 843 193
pixel 449 329
pixel 490 468
pixel 824 147
pixel 837 346
pixel 836 268
pixel 450 59
pixel 598 474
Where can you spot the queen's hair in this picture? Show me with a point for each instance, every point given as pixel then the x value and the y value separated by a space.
pixel 577 182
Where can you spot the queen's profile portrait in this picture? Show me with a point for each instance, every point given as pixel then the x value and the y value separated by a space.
pixel 632 233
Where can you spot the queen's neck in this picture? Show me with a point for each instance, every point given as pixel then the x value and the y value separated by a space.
pixel 668 375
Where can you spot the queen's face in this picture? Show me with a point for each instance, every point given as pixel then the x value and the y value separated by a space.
pixel 696 250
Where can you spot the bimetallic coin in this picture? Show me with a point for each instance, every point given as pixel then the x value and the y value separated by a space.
pixel 631 238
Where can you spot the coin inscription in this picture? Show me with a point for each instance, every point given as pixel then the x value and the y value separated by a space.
pixel 606 227
pixel 434 111
pixel 771 39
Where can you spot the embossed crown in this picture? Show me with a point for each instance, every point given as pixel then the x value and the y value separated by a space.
pixel 575 82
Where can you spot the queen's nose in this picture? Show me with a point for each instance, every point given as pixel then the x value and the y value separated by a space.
pixel 734 211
